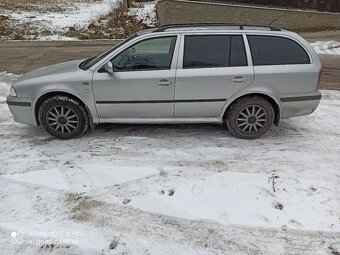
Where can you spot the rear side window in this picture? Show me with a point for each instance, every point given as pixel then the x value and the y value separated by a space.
pixel 207 51
pixel 273 50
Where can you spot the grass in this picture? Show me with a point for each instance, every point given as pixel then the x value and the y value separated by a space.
pixel 117 24
pixel 25 1
pixel 13 31
pixel 38 5
pixel 38 1
pixel 31 5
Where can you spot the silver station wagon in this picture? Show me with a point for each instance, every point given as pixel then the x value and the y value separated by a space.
pixel 247 77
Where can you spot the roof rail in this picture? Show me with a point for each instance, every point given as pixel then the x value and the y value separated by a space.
pixel 196 25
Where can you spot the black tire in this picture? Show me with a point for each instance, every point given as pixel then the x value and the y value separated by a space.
pixel 253 125
pixel 71 120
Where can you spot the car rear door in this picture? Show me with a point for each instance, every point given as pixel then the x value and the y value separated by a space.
pixel 211 68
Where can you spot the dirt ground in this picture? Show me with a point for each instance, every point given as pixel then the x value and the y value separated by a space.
pixel 22 56
pixel 331 64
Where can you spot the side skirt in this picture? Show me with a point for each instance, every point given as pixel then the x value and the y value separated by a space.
pixel 161 120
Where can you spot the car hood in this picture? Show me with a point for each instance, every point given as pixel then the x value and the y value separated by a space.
pixel 66 67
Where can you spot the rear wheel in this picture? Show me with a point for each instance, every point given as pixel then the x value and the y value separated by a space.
pixel 250 117
pixel 63 117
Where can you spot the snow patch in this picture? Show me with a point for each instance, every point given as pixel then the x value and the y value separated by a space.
pixel 108 174
pixel 6 79
pixel 50 178
pixel 56 38
pixel 327 47
pixel 79 14
pixel 4 91
pixel 147 14
pixel 249 199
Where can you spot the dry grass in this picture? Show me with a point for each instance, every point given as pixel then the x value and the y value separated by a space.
pixel 117 24
pixel 25 1
pixel 12 31
pixel 39 1
pixel 38 5
pixel 28 6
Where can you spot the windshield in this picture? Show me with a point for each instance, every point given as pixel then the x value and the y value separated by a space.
pixel 88 63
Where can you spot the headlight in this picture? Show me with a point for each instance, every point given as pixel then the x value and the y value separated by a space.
pixel 12 92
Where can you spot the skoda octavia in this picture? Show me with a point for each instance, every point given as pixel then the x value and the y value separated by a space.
pixel 247 77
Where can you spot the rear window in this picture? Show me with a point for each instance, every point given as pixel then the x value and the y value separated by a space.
pixel 273 50
pixel 208 51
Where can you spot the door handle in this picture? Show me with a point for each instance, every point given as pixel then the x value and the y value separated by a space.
pixel 239 79
pixel 164 82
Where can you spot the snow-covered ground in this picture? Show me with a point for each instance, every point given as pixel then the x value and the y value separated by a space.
pixel 56 19
pixel 327 47
pixel 185 189
pixel 147 13
pixel 77 14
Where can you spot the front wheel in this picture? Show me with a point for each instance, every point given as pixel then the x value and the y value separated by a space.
pixel 250 117
pixel 63 117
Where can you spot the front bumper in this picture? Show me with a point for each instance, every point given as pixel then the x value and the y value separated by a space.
pixel 22 110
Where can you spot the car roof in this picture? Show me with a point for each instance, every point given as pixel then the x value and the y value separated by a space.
pixel 192 27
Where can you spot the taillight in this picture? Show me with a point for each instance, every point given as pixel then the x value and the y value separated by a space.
pixel 319 80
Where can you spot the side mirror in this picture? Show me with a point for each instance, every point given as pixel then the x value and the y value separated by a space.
pixel 108 67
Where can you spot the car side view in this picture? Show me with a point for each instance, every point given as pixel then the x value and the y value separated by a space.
pixel 247 77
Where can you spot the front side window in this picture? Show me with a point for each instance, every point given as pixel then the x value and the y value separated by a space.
pixel 149 54
pixel 274 50
pixel 208 51
pixel 92 61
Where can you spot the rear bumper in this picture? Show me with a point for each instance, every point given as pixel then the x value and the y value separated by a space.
pixel 299 105
pixel 22 110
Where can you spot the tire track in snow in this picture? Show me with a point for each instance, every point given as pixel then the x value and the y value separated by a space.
pixel 31 185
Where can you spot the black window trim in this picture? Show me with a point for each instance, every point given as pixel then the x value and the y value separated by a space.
pixel 280 36
pixel 216 34
pixel 101 69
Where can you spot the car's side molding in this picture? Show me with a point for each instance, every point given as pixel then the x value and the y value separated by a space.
pixel 302 98
pixel 16 103
pixel 163 101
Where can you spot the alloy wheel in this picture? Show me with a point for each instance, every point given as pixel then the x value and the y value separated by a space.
pixel 251 119
pixel 62 119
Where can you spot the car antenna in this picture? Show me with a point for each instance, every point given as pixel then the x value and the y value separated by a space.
pixel 280 16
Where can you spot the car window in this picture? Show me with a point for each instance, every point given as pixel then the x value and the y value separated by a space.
pixel 92 61
pixel 274 50
pixel 238 56
pixel 149 54
pixel 207 51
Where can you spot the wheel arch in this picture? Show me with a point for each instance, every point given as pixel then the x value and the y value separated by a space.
pixel 270 99
pixel 47 95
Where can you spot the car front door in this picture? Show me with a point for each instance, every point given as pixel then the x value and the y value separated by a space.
pixel 142 84
pixel 211 69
